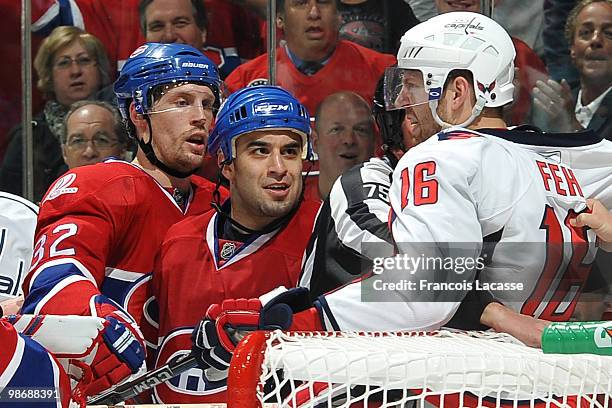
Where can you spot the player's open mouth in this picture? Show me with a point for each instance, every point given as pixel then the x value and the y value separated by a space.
pixel 277 187
pixel 197 140
pixel 278 191
pixel 348 156
pixel 77 84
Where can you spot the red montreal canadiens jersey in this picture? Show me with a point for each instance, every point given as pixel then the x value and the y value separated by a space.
pixel 366 68
pixel 506 196
pixel 185 286
pixel 98 231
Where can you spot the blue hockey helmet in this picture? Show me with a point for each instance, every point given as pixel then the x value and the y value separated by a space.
pixel 258 108
pixel 154 64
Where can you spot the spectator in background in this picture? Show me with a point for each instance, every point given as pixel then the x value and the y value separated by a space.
pixel 530 67
pixel 71 65
pixel 93 131
pixel 343 136
pixel 183 22
pixel 375 24
pixel 588 106
pixel 312 62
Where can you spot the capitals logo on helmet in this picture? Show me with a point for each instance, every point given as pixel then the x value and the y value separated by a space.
pixel 154 64
pixel 462 40
pixel 254 109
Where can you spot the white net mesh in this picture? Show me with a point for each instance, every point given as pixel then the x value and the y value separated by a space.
pixel 417 369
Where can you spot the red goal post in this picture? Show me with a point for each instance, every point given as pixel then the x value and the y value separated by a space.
pixel 411 369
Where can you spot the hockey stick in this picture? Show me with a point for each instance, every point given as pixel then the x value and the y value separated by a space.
pixel 130 389
pixel 148 380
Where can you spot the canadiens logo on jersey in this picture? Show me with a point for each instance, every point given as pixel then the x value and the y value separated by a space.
pixel 193 385
pixel 62 186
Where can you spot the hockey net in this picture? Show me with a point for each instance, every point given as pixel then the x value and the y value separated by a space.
pixel 442 369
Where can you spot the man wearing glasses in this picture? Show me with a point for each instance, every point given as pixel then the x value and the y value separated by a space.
pixel 101 226
pixel 93 131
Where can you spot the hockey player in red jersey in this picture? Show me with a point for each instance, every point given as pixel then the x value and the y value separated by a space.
pixel 501 196
pixel 248 245
pixel 100 226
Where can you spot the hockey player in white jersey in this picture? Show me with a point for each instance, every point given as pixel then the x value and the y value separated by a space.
pixel 17 225
pixel 351 228
pixel 498 200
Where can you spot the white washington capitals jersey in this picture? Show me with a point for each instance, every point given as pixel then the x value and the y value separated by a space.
pixel 503 198
pixel 17 225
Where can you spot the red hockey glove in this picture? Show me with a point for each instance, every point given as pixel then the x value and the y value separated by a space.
pixel 215 337
pixel 121 352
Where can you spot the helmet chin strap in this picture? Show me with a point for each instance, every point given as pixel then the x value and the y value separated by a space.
pixel 476 110
pixel 147 148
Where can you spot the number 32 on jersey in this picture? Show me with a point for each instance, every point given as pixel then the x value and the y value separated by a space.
pixel 59 234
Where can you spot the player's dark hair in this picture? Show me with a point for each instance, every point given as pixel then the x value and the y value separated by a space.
pixel 197 6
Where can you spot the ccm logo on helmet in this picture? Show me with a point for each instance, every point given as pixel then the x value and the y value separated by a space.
pixel 271 107
pixel 194 65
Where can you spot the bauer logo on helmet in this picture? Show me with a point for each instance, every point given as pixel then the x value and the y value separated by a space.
pixel 194 65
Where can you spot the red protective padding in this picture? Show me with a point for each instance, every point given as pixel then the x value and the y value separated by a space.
pixel 234 313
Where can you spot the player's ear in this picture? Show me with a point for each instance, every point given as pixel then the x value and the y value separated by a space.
pixel 137 119
pixel 227 170
pixel 280 21
pixel 220 157
pixel 463 92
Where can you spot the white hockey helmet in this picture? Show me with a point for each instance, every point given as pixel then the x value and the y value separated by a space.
pixel 451 41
